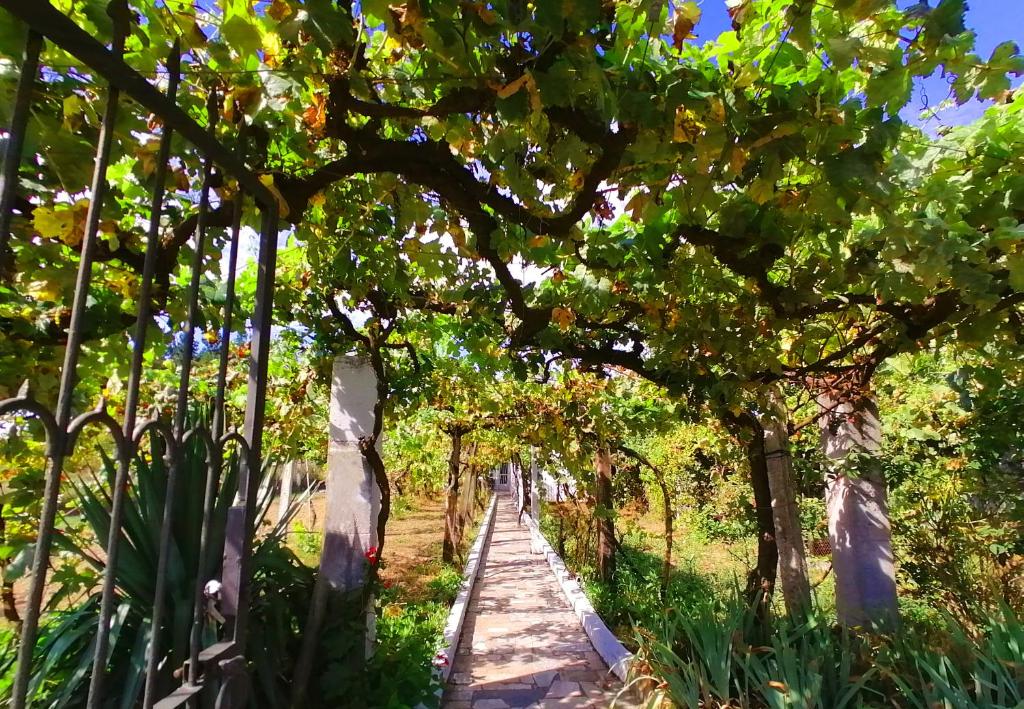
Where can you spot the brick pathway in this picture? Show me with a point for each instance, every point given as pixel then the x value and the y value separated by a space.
pixel 521 644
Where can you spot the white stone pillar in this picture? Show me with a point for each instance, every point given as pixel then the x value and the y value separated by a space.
pixel 353 498
pixel 285 494
pixel 535 545
pixel 858 513
pixel 534 488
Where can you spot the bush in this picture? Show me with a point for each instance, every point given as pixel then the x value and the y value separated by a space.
pixel 444 587
pixel 307 541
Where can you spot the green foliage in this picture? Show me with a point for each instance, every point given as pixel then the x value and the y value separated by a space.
pixel 309 542
pixel 63 655
pixel 715 656
pixel 444 587
pixel 400 671
pixel 951 458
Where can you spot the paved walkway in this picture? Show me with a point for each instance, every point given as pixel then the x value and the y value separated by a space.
pixel 521 645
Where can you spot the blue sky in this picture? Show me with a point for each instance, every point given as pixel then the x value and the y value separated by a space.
pixel 994 21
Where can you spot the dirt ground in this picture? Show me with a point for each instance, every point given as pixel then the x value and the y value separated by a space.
pixel 412 549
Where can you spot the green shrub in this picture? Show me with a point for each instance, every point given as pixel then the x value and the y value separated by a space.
pixel 444 587
pixel 309 542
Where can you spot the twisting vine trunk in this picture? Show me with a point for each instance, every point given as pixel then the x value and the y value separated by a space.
pixel 368 444
pixel 605 510
pixel 858 512
pixel 668 515
pixel 760 579
pixel 451 507
pixel 468 490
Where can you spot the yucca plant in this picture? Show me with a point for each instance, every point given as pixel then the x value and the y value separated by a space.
pixel 716 658
pixel 988 674
pixel 808 664
pixel 63 654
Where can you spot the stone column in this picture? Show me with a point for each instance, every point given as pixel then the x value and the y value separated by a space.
pixel 284 498
pixel 535 546
pixel 534 488
pixel 858 513
pixel 350 520
pixel 353 498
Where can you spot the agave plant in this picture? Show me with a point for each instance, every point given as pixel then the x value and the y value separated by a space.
pixel 64 651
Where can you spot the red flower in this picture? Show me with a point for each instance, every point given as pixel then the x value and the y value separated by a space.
pixel 371 556
pixel 386 584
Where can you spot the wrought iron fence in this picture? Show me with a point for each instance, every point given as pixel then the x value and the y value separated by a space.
pixel 219 668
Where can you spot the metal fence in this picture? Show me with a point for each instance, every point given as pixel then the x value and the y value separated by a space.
pixel 218 669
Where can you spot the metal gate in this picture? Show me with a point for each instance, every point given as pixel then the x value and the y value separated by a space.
pixel 218 669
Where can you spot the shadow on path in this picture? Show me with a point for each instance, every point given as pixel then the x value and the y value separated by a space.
pixel 522 646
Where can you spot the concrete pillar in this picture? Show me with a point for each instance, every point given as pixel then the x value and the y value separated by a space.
pixel 353 498
pixel 284 499
pixel 535 545
pixel 534 488
pixel 858 513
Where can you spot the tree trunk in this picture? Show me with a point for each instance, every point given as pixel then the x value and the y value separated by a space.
pixel 858 513
pixel 468 491
pixel 451 508
pixel 796 587
pixel 7 598
pixel 667 511
pixel 761 579
pixel 605 509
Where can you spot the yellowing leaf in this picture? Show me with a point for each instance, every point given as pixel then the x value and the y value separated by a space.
pixel 539 241
pixel 563 317
pixel 65 222
pixel 636 205
pixel 761 190
pixel 47 291
pixel 73 109
pixel 687 16
pixel 315 114
pixel 737 160
pixel 512 87
pixel 280 10
pixel 717 109
pixel 687 126
pixel 147 154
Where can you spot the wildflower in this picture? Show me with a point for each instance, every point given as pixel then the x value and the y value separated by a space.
pixel 440 659
pixel 371 556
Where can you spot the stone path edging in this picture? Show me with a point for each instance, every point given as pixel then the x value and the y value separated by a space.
pixel 604 641
pixel 457 615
